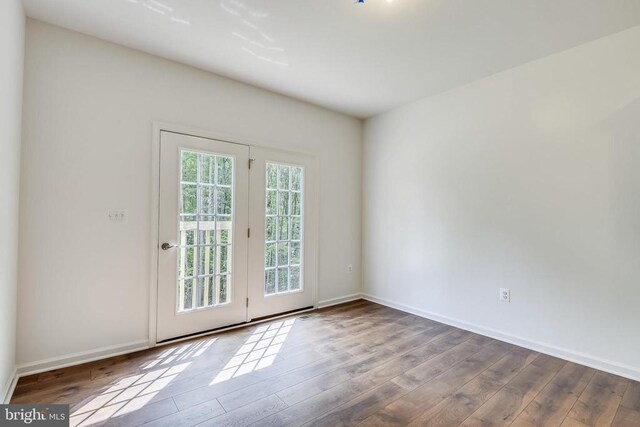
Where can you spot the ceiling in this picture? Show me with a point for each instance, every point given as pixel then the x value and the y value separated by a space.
pixel 359 59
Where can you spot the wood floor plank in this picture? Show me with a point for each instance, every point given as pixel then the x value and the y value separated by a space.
pixel 324 402
pixel 370 339
pixel 570 422
pixel 67 393
pixel 246 395
pixel 342 308
pixel 436 366
pixel 510 365
pixel 387 337
pixel 65 375
pixel 454 409
pixel 27 379
pixel 403 346
pixel 598 404
pixel 380 395
pixel 321 383
pixel 457 407
pixel 631 397
pixel 318 403
pixel 248 414
pixel 127 413
pixel 357 363
pixel 437 381
pixel 214 389
pixel 626 417
pixel 361 407
pixel 503 408
pixel 349 333
pixel 436 345
pixel 136 412
pixel 551 406
pixel 191 416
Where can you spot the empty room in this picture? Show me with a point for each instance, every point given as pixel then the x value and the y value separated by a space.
pixel 320 213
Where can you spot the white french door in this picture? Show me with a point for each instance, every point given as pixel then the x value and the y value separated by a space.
pixel 203 220
pixel 283 215
pixel 236 240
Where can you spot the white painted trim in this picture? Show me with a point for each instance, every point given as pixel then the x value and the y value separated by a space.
pixel 80 358
pixel 7 390
pixel 106 352
pixel 563 353
pixel 316 232
pixel 154 241
pixel 225 137
pixel 339 300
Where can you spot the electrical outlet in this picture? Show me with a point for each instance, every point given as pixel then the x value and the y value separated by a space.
pixel 349 268
pixel 504 295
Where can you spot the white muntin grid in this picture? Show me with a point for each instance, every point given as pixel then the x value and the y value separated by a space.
pixel 284 229
pixel 205 230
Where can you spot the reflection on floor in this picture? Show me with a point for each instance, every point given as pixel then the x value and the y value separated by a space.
pixel 357 363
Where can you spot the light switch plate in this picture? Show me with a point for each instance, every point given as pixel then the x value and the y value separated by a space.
pixel 117 215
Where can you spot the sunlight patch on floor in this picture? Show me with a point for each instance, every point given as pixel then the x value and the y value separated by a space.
pixel 259 351
pixel 133 392
pixel 180 353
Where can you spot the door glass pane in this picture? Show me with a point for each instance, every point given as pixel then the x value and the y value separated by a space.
pixel 206 225
pixel 283 229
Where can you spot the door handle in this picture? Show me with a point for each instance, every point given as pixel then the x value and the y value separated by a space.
pixel 166 246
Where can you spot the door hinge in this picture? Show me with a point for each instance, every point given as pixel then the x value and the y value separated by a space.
pixel 250 162
pixel 247 302
pixel 248 232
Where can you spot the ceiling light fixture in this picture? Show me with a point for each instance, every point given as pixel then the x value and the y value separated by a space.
pixel 362 1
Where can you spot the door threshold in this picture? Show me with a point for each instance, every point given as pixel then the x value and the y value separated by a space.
pixel 234 326
pixel 279 315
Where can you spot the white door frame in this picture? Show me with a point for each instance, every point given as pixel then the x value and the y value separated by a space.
pixel 154 241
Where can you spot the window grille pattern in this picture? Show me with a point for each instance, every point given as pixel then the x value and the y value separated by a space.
pixel 206 228
pixel 284 229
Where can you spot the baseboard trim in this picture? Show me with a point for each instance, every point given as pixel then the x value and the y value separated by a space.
pixel 563 353
pixel 106 352
pixel 339 300
pixel 7 390
pixel 80 358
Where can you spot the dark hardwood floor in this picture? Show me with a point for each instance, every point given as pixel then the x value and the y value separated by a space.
pixel 354 364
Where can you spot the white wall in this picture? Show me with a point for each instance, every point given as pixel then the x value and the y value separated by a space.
pixel 89 107
pixel 12 23
pixel 529 180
